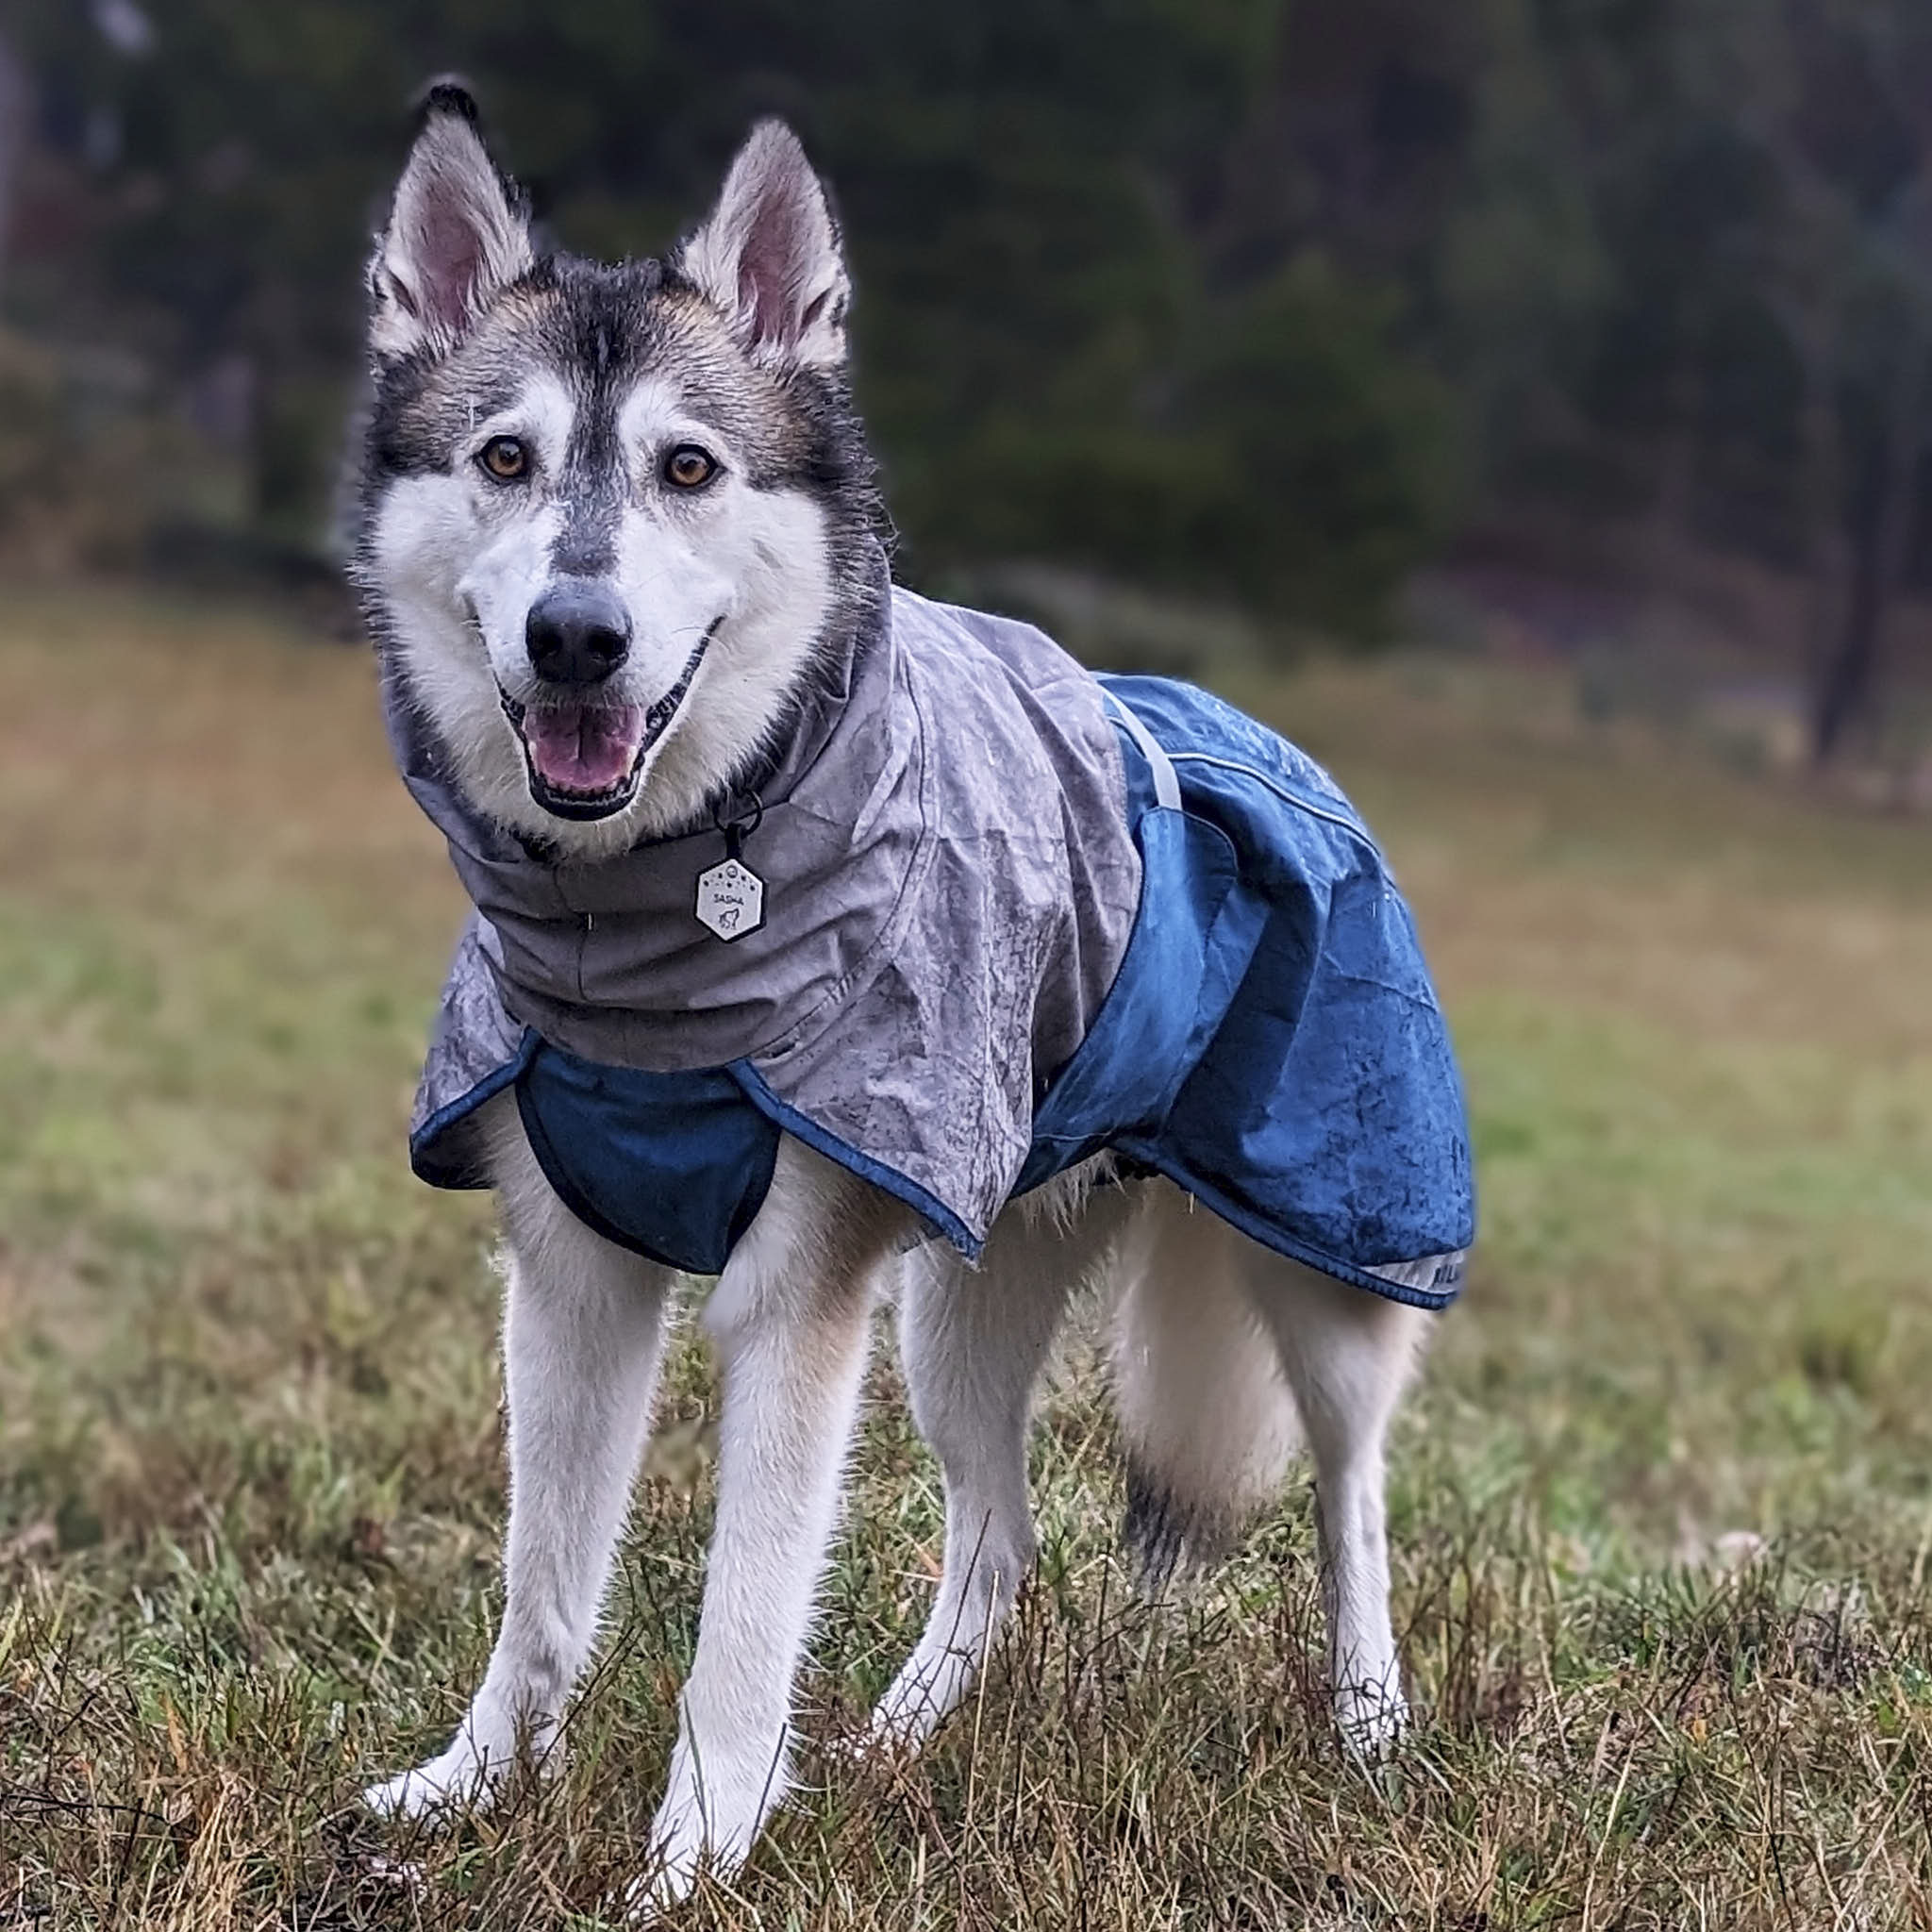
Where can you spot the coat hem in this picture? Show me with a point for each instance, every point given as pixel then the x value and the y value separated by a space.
pixel 464 1179
pixel 889 1180
pixel 1271 1235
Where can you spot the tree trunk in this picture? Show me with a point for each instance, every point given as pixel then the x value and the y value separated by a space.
pixel 1828 555
pixel 15 107
pixel 1848 676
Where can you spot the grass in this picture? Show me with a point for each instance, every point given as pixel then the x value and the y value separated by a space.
pixel 1661 1507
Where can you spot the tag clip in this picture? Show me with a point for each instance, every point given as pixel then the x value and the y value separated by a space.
pixel 731 896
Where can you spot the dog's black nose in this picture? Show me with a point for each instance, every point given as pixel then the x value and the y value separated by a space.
pixel 576 634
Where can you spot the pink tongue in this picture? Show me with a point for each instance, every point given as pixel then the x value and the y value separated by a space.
pixel 585 748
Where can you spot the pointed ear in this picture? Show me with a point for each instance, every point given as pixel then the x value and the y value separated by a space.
pixel 458 235
pixel 768 256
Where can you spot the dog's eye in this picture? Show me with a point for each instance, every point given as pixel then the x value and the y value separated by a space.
pixel 505 458
pixel 689 467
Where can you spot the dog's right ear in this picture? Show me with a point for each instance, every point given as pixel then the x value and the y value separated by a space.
pixel 458 235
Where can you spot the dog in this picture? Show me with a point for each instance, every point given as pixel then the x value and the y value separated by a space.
pixel 846 946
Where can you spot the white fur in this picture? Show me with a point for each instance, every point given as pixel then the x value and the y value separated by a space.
pixel 1200 1393
pixel 582 1340
pixel 461 560
pixel 583 1335
pixel 972 1346
pixel 790 1319
pixel 1206 1406
pixel 1347 1356
pixel 758 559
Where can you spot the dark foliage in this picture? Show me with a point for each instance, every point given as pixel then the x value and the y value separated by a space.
pixel 1251 296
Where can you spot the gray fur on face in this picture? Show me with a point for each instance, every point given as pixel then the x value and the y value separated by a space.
pixel 735 342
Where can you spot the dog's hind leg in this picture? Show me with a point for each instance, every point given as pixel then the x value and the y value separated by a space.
pixel 789 1318
pixel 973 1341
pixel 583 1333
pixel 1346 1353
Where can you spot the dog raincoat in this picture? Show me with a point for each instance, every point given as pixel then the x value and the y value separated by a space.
pixel 1013 914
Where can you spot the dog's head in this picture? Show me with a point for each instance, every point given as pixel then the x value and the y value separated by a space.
pixel 612 515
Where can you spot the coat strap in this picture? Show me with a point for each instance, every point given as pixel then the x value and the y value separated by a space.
pixel 1166 787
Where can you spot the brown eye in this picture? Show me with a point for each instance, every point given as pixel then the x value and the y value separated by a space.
pixel 505 458
pixel 688 466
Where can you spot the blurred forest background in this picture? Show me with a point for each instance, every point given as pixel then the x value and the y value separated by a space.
pixel 1600 327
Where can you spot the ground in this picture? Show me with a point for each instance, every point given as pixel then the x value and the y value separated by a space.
pixel 1660 1506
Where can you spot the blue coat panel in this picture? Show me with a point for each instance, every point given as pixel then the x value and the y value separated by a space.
pixel 1270 1042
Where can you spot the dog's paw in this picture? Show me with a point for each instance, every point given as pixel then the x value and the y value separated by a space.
pixel 712 1811
pixel 1372 1723
pixel 464 1779
pixel 901 1720
pixel 872 1748
pixel 680 1851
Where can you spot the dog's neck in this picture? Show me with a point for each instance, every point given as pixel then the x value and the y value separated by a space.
pixel 812 708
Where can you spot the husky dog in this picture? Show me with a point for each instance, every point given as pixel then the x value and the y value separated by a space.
pixel 816 923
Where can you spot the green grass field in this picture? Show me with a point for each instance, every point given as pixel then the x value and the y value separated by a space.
pixel 1661 1506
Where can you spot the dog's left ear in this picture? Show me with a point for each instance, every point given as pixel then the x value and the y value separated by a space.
pixel 458 235
pixel 768 256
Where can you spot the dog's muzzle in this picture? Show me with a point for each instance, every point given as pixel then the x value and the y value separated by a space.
pixel 583 759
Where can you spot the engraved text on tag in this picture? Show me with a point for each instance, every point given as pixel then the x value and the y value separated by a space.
pixel 731 899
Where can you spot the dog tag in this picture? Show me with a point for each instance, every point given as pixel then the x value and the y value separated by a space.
pixel 731 899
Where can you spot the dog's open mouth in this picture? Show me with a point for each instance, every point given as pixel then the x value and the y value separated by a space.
pixel 584 760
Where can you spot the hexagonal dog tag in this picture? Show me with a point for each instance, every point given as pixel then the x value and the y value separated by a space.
pixel 731 899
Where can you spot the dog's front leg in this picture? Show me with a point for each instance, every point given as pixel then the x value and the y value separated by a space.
pixel 583 1333
pixel 789 1318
